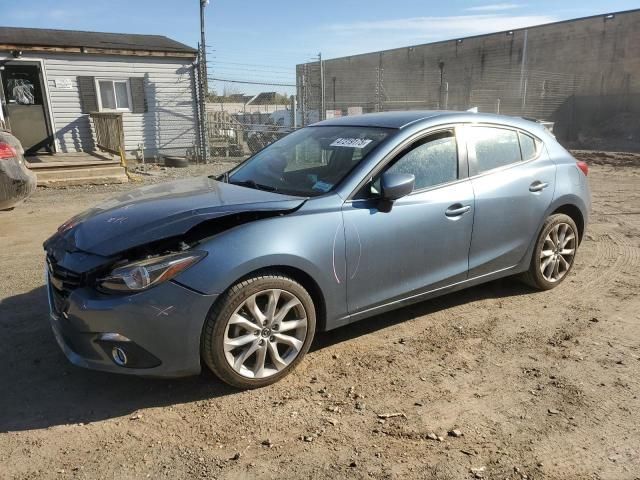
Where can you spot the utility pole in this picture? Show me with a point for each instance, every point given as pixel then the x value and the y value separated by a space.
pixel 204 84
pixel 203 45
pixel 323 112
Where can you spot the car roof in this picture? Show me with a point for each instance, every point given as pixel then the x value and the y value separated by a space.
pixel 399 120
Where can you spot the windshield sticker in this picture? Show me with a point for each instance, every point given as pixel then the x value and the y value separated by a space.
pixel 351 142
pixel 322 186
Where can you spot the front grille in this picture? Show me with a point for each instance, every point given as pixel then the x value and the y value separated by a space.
pixel 61 278
pixel 62 282
pixel 58 300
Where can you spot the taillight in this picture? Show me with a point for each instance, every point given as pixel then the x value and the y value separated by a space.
pixel 7 151
pixel 583 166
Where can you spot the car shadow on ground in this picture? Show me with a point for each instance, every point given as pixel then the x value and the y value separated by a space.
pixel 40 388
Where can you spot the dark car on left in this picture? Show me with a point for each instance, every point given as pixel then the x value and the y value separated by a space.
pixel 17 182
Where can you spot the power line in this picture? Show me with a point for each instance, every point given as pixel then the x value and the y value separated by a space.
pixel 265 75
pixel 276 67
pixel 249 82
pixel 282 57
pixel 257 71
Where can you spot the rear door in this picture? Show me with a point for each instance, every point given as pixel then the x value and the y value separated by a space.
pixel 513 181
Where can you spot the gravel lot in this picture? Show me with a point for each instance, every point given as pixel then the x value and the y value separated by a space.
pixel 538 385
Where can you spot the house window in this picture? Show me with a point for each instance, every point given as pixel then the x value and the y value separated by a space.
pixel 114 95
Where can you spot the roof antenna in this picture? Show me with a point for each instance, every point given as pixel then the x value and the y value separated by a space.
pixel 473 110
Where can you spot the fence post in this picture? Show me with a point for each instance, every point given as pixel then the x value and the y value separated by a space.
pixel 294 112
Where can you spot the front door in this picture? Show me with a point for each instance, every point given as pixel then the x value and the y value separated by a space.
pixel 422 243
pixel 24 106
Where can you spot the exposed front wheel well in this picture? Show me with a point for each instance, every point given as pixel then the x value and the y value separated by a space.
pixel 575 214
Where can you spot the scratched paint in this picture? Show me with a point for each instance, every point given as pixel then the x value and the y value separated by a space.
pixel 333 257
pixel 163 312
pixel 355 270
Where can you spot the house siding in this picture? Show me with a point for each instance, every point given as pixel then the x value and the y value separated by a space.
pixel 169 125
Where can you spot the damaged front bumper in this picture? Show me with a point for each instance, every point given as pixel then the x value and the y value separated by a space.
pixel 16 183
pixel 152 333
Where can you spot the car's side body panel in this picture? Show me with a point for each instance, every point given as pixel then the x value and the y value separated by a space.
pixel 572 187
pixel 411 248
pixel 363 265
pixel 508 213
pixel 310 240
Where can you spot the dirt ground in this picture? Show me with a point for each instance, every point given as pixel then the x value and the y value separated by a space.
pixel 540 385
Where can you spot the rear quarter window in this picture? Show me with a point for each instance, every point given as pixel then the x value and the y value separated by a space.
pixel 527 146
pixel 494 148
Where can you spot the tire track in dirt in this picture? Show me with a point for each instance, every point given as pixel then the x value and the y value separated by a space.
pixel 612 257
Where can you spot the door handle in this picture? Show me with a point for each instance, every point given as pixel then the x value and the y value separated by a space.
pixel 457 209
pixel 538 186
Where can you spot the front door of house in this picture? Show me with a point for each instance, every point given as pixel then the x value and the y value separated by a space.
pixel 24 106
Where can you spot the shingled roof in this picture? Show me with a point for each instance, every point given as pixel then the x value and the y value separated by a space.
pixel 42 37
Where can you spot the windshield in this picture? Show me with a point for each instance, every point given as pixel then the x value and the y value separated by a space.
pixel 310 161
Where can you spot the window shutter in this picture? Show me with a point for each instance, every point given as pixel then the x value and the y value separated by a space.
pixel 138 97
pixel 87 89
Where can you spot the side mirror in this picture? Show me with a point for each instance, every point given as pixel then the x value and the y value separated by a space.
pixel 396 185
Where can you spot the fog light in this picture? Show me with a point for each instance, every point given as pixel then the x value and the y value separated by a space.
pixel 125 352
pixel 119 356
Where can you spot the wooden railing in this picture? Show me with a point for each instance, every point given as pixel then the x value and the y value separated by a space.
pixel 109 131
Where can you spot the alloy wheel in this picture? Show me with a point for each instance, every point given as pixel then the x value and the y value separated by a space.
pixel 265 333
pixel 558 251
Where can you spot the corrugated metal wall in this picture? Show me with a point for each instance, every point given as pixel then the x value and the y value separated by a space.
pixel 169 125
pixel 581 74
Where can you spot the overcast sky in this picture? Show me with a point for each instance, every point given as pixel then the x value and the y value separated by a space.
pixel 263 40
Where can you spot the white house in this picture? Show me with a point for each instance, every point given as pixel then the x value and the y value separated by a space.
pixel 50 80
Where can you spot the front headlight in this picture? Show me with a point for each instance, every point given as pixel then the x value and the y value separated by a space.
pixel 145 274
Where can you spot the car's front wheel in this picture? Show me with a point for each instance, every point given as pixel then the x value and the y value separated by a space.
pixel 259 330
pixel 554 254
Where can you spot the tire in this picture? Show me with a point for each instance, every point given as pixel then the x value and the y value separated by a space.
pixel 233 320
pixel 560 227
pixel 175 162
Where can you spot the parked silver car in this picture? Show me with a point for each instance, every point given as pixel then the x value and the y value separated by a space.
pixel 17 182
pixel 334 223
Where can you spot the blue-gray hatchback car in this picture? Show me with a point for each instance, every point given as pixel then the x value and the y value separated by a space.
pixel 334 223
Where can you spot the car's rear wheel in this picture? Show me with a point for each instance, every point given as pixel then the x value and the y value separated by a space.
pixel 259 330
pixel 554 254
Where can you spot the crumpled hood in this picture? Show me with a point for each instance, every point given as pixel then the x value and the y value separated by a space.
pixel 161 211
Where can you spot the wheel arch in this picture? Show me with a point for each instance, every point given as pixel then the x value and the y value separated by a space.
pixel 569 205
pixel 572 211
pixel 300 276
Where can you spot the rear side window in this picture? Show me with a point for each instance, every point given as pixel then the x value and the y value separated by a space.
pixel 527 146
pixel 494 148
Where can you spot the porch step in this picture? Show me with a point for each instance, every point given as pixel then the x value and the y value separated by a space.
pixel 85 175
pixel 66 164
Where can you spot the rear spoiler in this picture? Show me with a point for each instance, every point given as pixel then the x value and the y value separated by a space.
pixel 546 124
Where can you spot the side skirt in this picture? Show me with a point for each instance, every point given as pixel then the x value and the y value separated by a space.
pixel 420 297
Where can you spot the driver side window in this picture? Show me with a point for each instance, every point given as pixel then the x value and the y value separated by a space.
pixel 432 160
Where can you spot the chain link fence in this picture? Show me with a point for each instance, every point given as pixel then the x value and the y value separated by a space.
pixel 588 105
pixel 238 129
pixel 352 91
